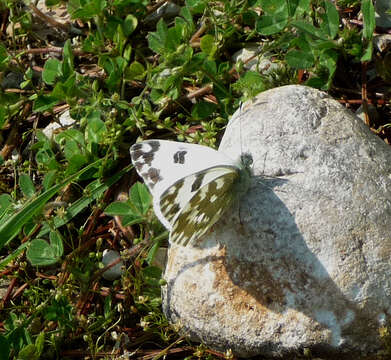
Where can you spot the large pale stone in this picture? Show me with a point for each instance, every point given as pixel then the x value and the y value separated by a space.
pixel 304 260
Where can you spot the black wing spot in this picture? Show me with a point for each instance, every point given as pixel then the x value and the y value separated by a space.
pixel 155 145
pixel 179 157
pixel 198 182
pixel 154 175
pixel 148 158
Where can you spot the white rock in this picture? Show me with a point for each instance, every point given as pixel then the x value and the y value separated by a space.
pixel 114 272
pixel 64 121
pixel 308 263
pixel 254 61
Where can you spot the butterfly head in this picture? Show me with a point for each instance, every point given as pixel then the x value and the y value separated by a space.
pixel 245 173
pixel 246 160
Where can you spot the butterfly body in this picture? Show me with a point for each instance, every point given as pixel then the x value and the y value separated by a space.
pixel 191 185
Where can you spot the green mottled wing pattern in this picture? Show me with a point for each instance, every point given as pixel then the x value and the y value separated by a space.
pixel 205 207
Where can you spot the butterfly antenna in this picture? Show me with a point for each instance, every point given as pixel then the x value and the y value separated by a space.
pixel 240 129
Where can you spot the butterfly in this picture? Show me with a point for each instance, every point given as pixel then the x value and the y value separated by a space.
pixel 192 185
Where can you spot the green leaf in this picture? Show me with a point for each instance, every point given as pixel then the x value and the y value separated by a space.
pixel 157 40
pixel 26 185
pixel 41 253
pixel 67 63
pixel 4 57
pixel 86 9
pixel 272 24
pixel 96 128
pixel 328 59
pixel 202 110
pixel 40 342
pixel 4 347
pixel 56 243
pixel 299 7
pixel 128 220
pixel 208 45
pixel 368 53
pixel 310 29
pixel 51 71
pixel 140 197
pixel 368 13
pixel 129 24
pixel 11 228
pixel 271 7
pixel 299 59
pixel 135 71
pixel 118 208
pixel 330 22
pixel 49 179
pixel 5 203
pixel 45 103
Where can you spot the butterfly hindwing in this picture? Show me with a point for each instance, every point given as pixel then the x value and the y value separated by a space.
pixel 205 208
pixel 178 195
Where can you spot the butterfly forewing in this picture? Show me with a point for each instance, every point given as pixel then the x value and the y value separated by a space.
pixel 205 208
pixel 161 163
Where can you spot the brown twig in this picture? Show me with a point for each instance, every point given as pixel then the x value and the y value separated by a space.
pixel 19 291
pixel 7 295
pixel 364 94
pixel 50 20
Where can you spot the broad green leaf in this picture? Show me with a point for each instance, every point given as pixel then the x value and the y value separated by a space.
pixel 330 22
pixel 41 253
pixel 202 110
pixel 368 13
pixel 328 58
pixel 45 103
pixel 129 24
pixel 40 342
pixel 26 185
pixel 5 203
pixel 135 71
pixel 56 243
pixel 271 7
pixel 157 40
pixel 208 45
pixel 368 53
pixel 272 24
pixel 118 208
pixel 51 71
pixel 140 197
pixel 298 7
pixel 128 220
pixel 96 128
pixel 49 179
pixel 11 228
pixel 299 59
pixel 310 29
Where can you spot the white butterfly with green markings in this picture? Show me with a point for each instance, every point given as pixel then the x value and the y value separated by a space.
pixel 191 185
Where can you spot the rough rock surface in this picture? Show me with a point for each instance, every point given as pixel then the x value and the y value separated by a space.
pixel 304 260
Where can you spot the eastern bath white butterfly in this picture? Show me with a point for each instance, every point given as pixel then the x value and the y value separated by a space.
pixel 192 185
